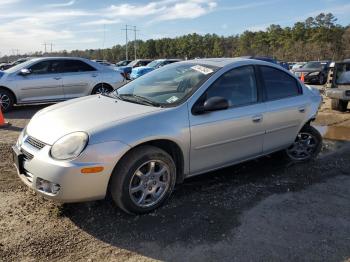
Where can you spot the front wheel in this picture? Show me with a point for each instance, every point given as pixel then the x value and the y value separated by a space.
pixel 143 180
pixel 306 146
pixel 339 105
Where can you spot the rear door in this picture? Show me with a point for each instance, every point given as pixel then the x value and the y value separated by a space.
pixel 44 83
pixel 286 108
pixel 78 78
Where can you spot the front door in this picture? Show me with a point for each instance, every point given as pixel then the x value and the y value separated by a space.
pixel 44 83
pixel 223 137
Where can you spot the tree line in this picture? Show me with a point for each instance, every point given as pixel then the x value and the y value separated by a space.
pixel 316 38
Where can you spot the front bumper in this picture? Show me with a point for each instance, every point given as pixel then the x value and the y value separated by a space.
pixel 74 186
pixel 338 93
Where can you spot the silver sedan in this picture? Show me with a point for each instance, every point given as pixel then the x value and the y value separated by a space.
pixel 53 79
pixel 182 120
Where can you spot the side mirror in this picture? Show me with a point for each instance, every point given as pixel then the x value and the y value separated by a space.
pixel 212 104
pixel 24 72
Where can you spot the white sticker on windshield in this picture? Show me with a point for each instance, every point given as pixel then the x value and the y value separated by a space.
pixel 172 99
pixel 202 69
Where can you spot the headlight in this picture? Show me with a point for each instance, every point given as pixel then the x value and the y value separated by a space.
pixel 314 74
pixel 70 146
pixel 21 137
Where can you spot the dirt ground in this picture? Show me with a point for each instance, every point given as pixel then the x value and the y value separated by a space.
pixel 262 210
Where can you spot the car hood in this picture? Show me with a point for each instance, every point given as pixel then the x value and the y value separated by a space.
pixel 142 68
pixel 307 70
pixel 87 114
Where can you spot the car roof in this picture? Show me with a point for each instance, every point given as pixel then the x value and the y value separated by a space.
pixel 221 62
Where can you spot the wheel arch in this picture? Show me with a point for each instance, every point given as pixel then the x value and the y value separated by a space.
pixel 169 146
pixel 99 84
pixel 9 90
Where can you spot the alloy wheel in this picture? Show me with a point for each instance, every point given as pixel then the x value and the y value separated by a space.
pixel 102 90
pixel 303 147
pixel 149 183
pixel 4 102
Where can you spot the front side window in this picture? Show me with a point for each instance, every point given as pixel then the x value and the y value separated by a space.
pixel 238 86
pixel 168 85
pixel 343 74
pixel 278 84
pixel 74 66
pixel 45 67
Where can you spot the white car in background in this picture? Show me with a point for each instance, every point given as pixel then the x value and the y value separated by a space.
pixel 52 79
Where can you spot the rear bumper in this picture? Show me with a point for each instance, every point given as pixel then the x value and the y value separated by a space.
pixel 338 93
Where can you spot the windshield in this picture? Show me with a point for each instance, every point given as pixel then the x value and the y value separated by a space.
pixel 155 63
pixel 132 63
pixel 168 85
pixel 18 67
pixel 313 65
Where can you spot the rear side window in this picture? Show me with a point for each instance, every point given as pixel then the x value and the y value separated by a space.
pixel 73 66
pixel 238 86
pixel 278 84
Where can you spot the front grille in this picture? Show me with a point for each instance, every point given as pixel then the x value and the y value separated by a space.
pixel 35 142
pixel 28 156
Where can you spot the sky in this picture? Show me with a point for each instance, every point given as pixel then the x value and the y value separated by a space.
pixel 25 25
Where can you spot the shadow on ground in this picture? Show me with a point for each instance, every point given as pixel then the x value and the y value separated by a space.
pixel 204 209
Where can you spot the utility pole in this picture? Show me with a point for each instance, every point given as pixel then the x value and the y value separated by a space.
pixel 135 41
pixel 126 41
pixel 46 45
pixel 126 29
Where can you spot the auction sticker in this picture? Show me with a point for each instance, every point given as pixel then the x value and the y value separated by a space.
pixel 172 99
pixel 202 69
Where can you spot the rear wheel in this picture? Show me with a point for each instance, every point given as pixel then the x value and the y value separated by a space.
pixel 339 105
pixel 306 146
pixel 6 100
pixel 102 89
pixel 321 79
pixel 143 180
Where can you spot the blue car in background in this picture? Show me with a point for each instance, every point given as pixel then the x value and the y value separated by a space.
pixel 139 71
pixel 126 70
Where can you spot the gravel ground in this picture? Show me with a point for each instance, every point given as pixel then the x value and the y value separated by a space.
pixel 262 210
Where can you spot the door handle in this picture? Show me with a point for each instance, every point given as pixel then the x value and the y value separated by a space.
pixel 257 118
pixel 302 109
pixel 57 78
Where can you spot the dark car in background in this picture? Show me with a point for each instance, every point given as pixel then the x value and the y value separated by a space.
pixel 6 66
pixel 315 72
pixel 126 70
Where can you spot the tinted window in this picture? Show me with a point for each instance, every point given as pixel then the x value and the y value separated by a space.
pixel 72 66
pixel 45 67
pixel 238 86
pixel 278 84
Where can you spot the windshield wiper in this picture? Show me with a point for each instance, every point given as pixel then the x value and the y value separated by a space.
pixel 140 99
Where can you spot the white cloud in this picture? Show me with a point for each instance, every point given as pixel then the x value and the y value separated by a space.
pixel 8 2
pixel 163 10
pixel 101 22
pixel 66 4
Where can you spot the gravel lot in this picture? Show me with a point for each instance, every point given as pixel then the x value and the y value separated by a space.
pixel 262 210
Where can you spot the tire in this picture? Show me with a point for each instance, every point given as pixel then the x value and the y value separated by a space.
pixel 133 184
pixel 7 100
pixel 321 79
pixel 339 105
pixel 102 89
pixel 306 146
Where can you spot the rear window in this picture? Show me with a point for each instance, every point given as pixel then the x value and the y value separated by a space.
pixel 343 74
pixel 278 84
